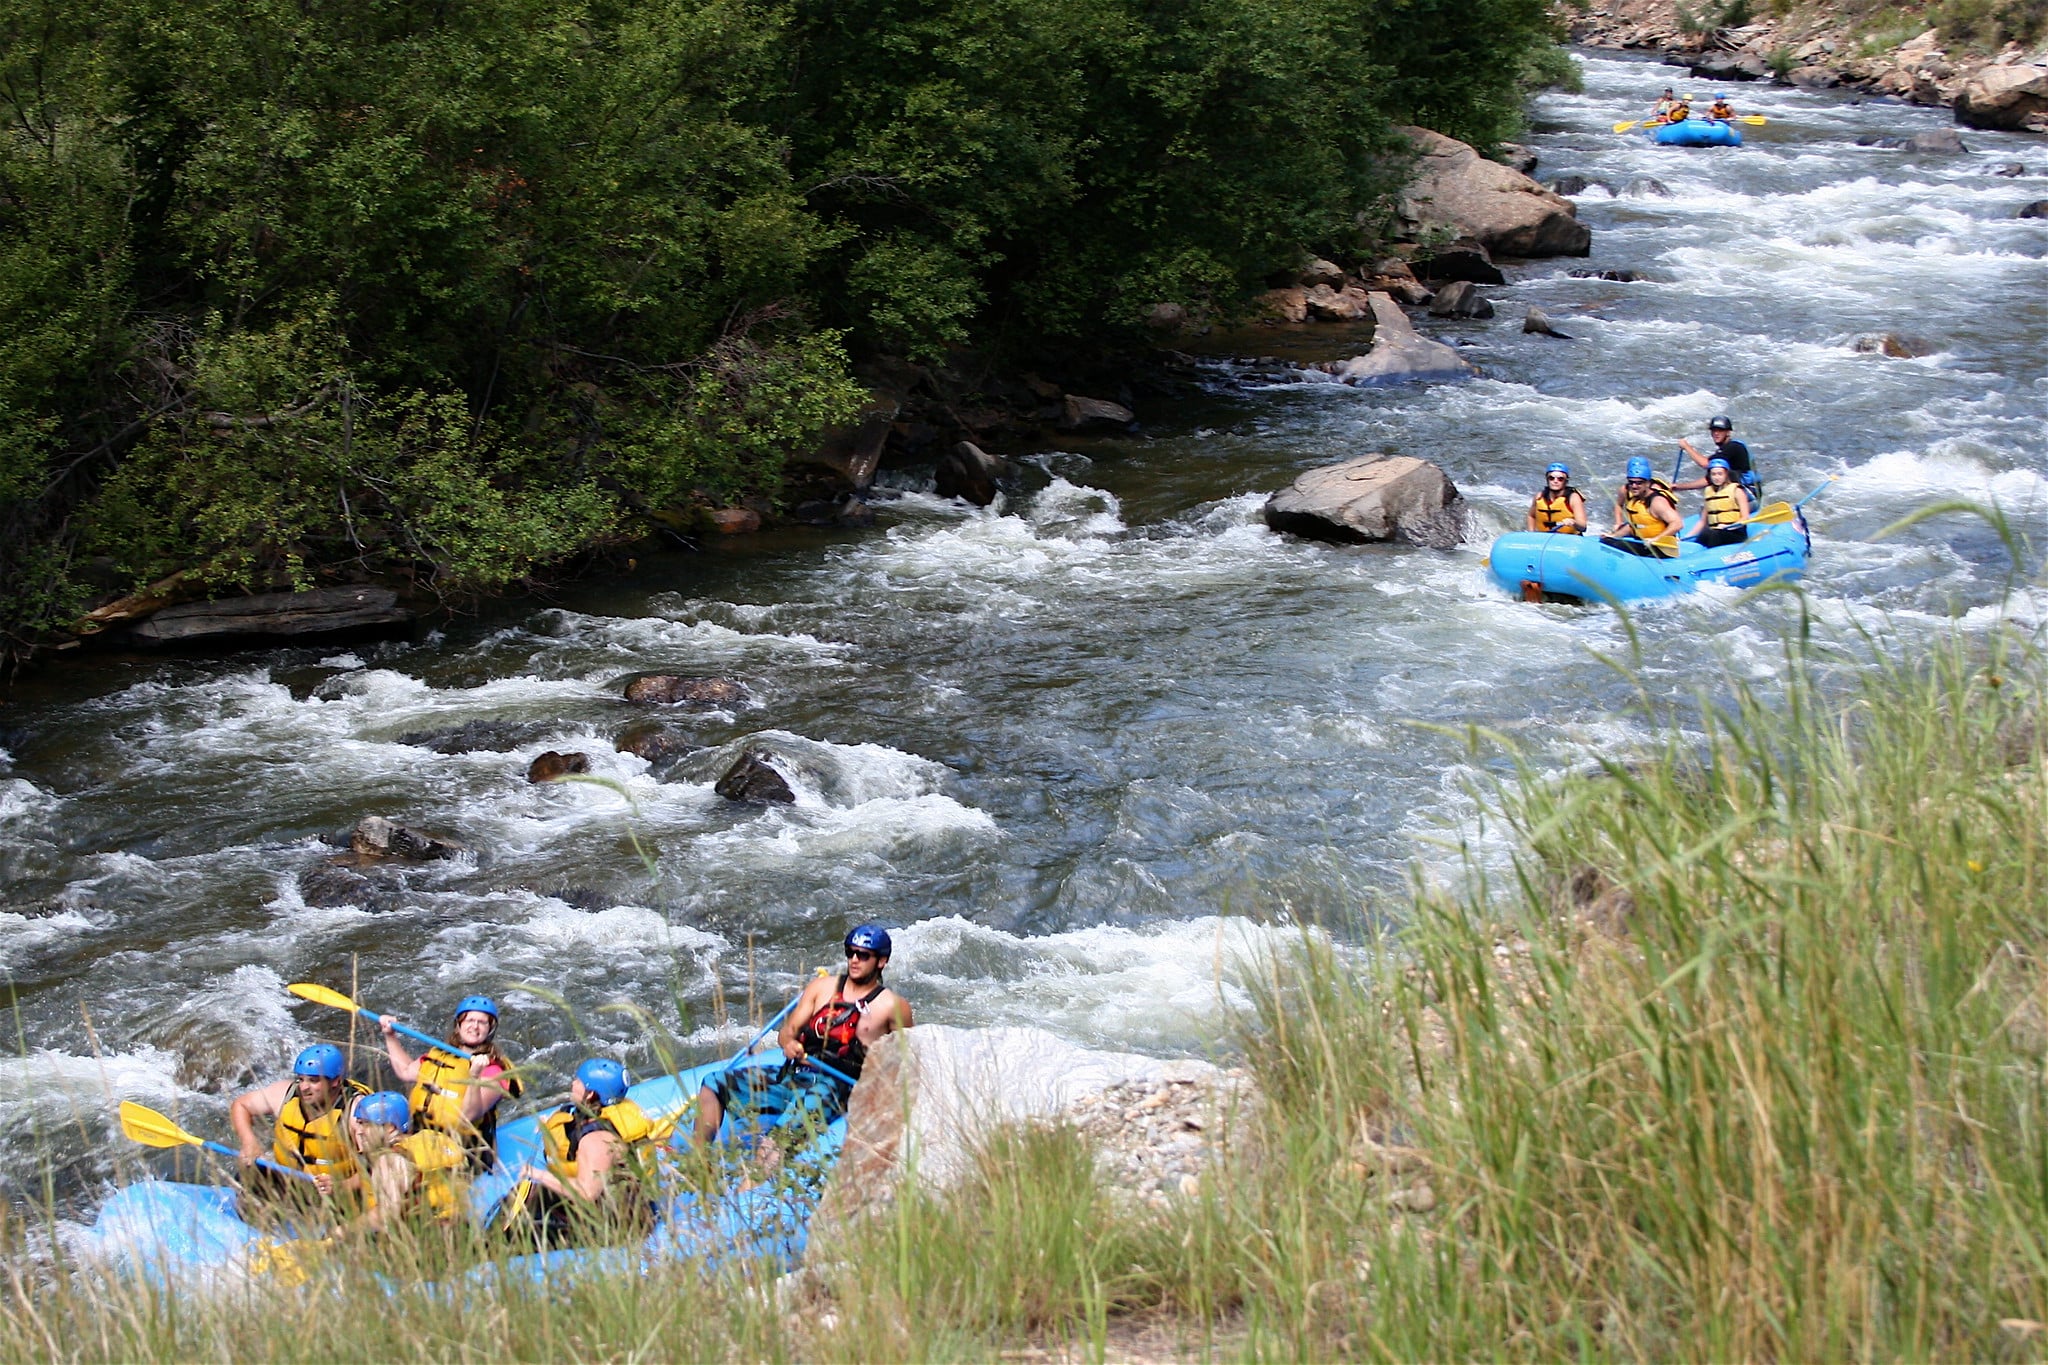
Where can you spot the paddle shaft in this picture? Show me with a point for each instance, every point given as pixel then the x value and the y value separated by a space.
pixel 265 1163
pixel 766 1029
pixel 1814 494
pixel 429 1039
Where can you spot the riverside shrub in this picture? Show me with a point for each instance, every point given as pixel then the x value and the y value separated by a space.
pixel 303 290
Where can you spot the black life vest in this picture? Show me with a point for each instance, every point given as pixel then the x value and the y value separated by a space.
pixel 1552 508
pixel 832 1035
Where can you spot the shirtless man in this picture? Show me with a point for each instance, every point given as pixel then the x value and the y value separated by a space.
pixel 835 1021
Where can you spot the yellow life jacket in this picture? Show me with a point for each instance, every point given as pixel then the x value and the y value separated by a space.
pixel 1648 525
pixel 1721 111
pixel 1552 508
pixel 315 1144
pixel 436 1098
pixel 437 1158
pixel 563 1131
pixel 1723 508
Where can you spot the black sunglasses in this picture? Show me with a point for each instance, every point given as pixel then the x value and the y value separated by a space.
pixel 852 953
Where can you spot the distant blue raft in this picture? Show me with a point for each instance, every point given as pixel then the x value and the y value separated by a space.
pixel 1697 132
pixel 1583 568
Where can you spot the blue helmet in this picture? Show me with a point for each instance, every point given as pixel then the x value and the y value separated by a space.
pixel 603 1078
pixel 323 1060
pixel 1720 97
pixel 1558 467
pixel 480 1004
pixel 871 937
pixel 1718 463
pixel 1639 467
pixel 386 1106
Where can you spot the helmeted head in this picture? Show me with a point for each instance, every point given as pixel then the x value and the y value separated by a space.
pixel 1557 467
pixel 386 1108
pixel 1717 463
pixel 1639 467
pixel 1723 99
pixel 603 1079
pixel 480 1005
pixel 322 1061
pixel 871 940
pixel 1719 422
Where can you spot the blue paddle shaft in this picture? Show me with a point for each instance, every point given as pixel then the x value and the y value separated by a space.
pixel 831 1071
pixel 1811 496
pixel 429 1039
pixel 226 1150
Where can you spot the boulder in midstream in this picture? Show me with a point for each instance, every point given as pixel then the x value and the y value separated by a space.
pixel 1372 498
pixel 1459 299
pixel 1538 322
pixel 970 473
pixel 654 743
pixel 1094 414
pixel 753 781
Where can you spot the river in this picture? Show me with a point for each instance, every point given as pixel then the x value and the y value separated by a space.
pixel 1088 751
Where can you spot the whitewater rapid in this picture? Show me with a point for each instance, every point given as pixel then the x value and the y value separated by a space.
pixel 1090 752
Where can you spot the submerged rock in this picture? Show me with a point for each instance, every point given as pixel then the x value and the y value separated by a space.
pixel 1372 498
pixel 553 767
pixel 1538 322
pixel 653 743
pixel 376 837
pixel 667 689
pixel 1886 343
pixel 2037 209
pixel 478 736
pixel 753 781
pixel 1942 141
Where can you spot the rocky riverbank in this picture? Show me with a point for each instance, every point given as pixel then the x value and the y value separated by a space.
pixel 1816 47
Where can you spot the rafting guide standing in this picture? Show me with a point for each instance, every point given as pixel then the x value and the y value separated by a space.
pixel 1726 447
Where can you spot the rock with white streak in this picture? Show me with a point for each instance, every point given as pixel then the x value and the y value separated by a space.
pixel 1398 354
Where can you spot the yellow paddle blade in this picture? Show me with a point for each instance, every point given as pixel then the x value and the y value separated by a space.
pixel 1757 119
pixel 144 1125
pixel 1624 127
pixel 321 995
pixel 1775 514
pixel 1668 542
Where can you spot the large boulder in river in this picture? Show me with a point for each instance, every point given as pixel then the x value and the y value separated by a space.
pixel 1372 498
pixel 1456 188
pixel 1398 355
pixel 553 767
pixel 1942 141
pixel 2013 96
pixel 1094 414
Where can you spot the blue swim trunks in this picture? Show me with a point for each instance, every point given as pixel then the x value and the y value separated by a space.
pixel 766 1099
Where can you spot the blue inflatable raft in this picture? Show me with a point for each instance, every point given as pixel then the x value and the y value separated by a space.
pixel 1581 567
pixel 166 1228
pixel 1697 132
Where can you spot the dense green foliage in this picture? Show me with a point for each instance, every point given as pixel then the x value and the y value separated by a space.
pixel 303 289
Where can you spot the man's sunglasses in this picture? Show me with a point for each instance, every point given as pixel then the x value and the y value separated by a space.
pixel 854 953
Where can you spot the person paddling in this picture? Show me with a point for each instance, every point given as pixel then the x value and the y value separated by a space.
pixel 1665 103
pixel 836 1020
pixel 409 1172
pixel 1721 111
pixel 458 1094
pixel 1646 519
pixel 1558 507
pixel 1722 429
pixel 1679 112
pixel 597 1146
pixel 1726 508
pixel 307 1132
